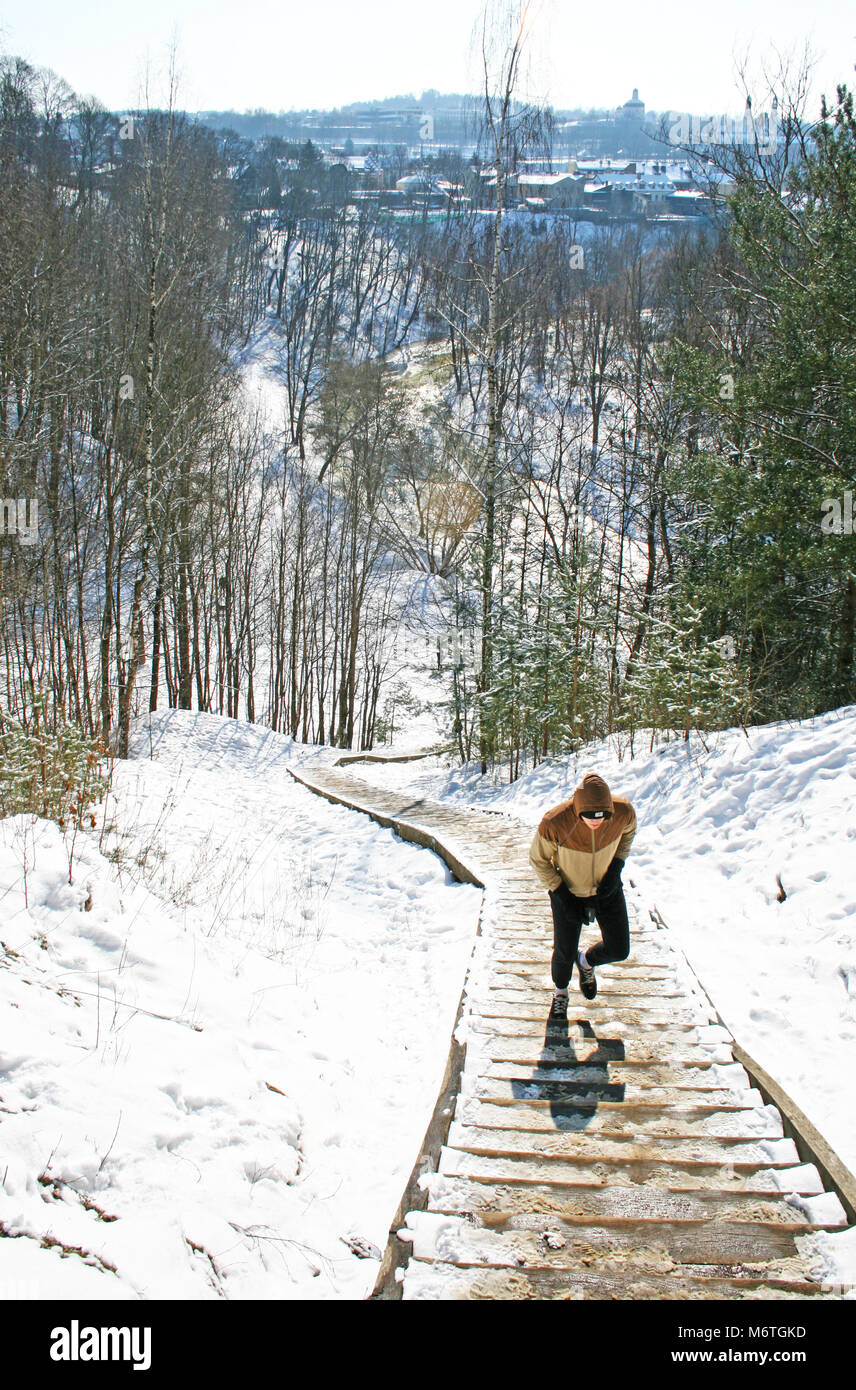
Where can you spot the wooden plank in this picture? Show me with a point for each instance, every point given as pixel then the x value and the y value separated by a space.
pixel 436 1280
pixel 594 1092
pixel 619 1119
pixel 590 1146
pixel 510 1093
pixel 615 1032
pixel 593 1057
pixel 539 969
pixel 676 1173
pixel 736 1248
pixel 537 993
pixel 602 1008
pixel 703 1077
pixel 609 1205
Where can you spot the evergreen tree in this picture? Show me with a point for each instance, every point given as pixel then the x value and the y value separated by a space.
pixel 757 558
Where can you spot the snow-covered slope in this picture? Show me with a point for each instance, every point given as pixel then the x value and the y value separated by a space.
pixel 227 1032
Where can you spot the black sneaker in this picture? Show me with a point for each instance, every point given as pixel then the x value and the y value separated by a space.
pixel 559 1006
pixel 588 983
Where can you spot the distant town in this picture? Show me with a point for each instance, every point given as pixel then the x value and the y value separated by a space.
pixel 408 156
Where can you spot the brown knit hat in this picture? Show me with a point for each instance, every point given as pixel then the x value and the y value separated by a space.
pixel 592 795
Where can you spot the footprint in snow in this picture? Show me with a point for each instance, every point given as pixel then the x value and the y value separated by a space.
pixel 847 974
pixel 764 1016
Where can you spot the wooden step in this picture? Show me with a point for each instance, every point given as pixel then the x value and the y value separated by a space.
pixel 600 1010
pixel 620 1118
pixel 591 1145
pixel 628 1048
pixel 611 1204
pixel 538 974
pixel 513 934
pixel 511 990
pixel 709 1079
pixel 615 1036
pixel 504 1090
pixel 661 1171
pixel 735 1249
pixel 535 968
pixel 434 1280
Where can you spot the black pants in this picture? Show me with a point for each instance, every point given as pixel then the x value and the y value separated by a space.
pixel 568 912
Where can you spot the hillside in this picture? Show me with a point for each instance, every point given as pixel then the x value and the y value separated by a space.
pixel 244 1000
pixel 221 1043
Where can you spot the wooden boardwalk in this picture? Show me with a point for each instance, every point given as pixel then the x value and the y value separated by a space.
pixel 623 1154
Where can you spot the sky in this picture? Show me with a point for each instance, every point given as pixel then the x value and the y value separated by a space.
pixel 280 55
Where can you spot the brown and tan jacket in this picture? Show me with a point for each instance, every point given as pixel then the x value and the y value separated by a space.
pixel 565 849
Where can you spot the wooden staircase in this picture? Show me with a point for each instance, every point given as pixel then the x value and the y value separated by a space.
pixel 622 1154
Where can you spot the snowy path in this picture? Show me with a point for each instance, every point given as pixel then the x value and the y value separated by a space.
pixel 623 1154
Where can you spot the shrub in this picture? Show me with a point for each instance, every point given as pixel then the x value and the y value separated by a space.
pixel 58 772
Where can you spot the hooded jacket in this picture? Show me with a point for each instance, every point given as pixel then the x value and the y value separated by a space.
pixel 566 850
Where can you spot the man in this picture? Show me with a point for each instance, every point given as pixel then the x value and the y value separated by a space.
pixel 578 852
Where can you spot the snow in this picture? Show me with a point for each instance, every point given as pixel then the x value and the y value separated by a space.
pixel 235 1050
pixel 227 1032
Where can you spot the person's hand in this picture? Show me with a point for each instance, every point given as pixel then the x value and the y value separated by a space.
pixel 562 893
pixel 611 881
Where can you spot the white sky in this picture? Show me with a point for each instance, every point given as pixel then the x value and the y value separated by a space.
pixel 284 54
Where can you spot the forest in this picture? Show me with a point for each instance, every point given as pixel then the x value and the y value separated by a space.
pixel 598 473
